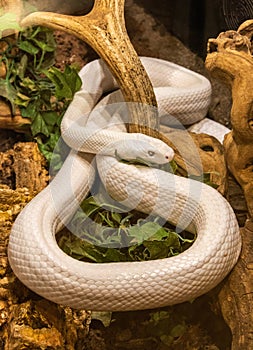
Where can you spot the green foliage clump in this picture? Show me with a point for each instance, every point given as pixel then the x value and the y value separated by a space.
pixel 34 85
pixel 105 233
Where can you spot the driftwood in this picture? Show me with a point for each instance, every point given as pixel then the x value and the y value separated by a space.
pixel 230 60
pixel 203 155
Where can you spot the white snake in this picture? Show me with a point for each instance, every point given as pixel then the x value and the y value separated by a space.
pixel 34 254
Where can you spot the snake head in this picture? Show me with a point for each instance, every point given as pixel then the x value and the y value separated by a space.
pixel 145 148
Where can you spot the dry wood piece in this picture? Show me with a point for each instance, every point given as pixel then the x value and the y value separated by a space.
pixel 50 327
pixel 235 297
pixel 13 122
pixel 29 167
pixel 230 60
pixel 38 323
pixel 203 155
pixel 23 166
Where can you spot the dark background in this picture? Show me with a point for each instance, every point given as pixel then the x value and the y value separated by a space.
pixel 194 21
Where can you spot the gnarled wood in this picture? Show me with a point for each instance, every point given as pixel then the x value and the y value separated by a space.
pixel 230 60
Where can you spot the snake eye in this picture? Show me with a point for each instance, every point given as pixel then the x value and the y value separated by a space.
pixel 151 153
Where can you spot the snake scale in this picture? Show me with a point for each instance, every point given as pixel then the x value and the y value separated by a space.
pixel 42 266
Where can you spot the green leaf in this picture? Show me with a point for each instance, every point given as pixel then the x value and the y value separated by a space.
pixel 28 47
pixel 50 117
pixel 166 339
pixel 28 84
pixel 9 21
pixel 30 110
pixel 9 92
pixel 178 331
pixel 51 152
pixel 73 79
pixel 143 232
pixel 113 255
pixel 106 219
pixel 39 126
pixel 66 83
pixel 81 249
pixel 44 45
pixel 22 100
pixel 160 234
pixel 22 66
pixel 89 206
pixel 116 217
pixel 157 316
pixel 155 250
pixel 173 166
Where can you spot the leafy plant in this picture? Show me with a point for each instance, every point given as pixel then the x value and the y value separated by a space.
pixel 163 327
pixel 8 21
pixel 34 85
pixel 105 233
pixel 163 324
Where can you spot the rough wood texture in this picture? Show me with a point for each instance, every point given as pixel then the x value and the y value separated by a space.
pixel 13 122
pixel 23 166
pixel 230 60
pixel 26 320
pixel 235 297
pixel 29 167
pixel 203 155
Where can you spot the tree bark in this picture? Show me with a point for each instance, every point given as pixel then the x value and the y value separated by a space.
pixel 236 295
pixel 25 318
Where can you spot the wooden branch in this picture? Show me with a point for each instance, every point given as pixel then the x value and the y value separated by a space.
pixel 104 30
pixel 16 123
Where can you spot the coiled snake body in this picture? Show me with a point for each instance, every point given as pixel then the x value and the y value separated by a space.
pixel 34 254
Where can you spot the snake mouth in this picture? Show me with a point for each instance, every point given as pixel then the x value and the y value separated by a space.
pixel 134 161
pixel 138 161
